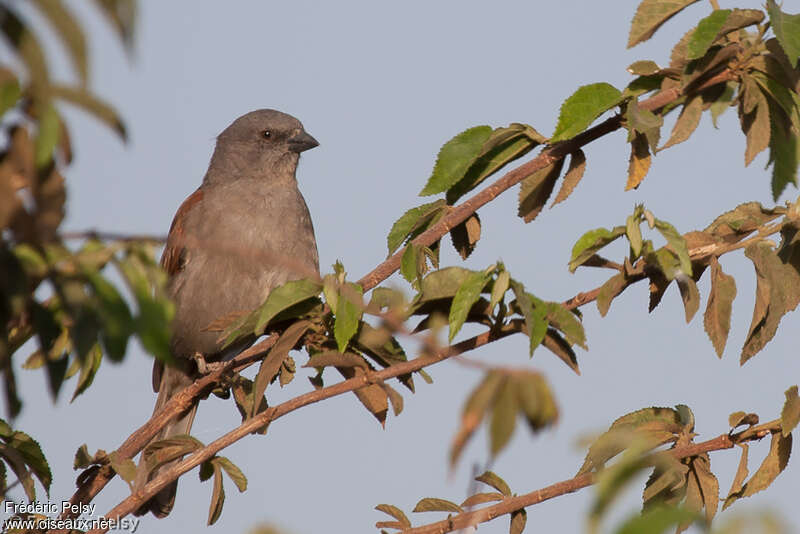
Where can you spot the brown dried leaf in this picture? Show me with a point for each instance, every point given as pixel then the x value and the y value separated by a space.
pixel 755 123
pixel 474 411
pixel 395 512
pixel 738 479
pixel 466 235
pixel 433 504
pixel 717 317
pixel 575 171
pixel 494 480
pixel 536 189
pixel 778 456
pixel 650 15
pixel 687 122
pixel 741 418
pixel 481 498
pixel 274 360
pixel 518 520
pixel 639 162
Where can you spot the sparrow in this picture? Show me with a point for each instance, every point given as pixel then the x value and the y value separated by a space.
pixel 243 232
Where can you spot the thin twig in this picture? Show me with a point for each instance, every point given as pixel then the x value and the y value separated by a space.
pixel 512 504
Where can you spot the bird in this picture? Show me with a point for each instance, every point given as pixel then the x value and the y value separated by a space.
pixel 243 232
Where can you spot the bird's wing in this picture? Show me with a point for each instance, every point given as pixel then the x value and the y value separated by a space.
pixel 174 257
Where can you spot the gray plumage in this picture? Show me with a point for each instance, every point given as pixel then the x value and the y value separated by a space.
pixel 243 232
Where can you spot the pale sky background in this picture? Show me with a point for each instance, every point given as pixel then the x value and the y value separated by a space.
pixel 382 86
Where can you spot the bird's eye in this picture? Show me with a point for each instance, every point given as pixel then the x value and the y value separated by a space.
pixel 267 134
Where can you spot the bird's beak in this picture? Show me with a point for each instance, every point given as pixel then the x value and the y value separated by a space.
pixel 301 142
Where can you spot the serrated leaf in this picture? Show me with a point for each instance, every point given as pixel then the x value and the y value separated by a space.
pixel 583 107
pixel 465 235
pixel 655 425
pixel 494 480
pixel 432 504
pixel 790 414
pixel 755 122
pixel 567 322
pixel 89 366
pixel 536 189
pixel 409 263
pixel 634 233
pixel 687 122
pixel 504 417
pixel 739 478
pixel 705 34
pixel 124 467
pixel 677 243
pixel 407 222
pixel 282 298
pixel 707 484
pixel 467 295
pixel 608 291
pixel 395 512
pixel 575 171
pixel 642 121
pixel 535 316
pixel 31 453
pixel 639 161
pixel 455 158
pixel 503 146
pixel 784 154
pixel 690 296
pixel 787 30
pixel 717 317
pixel 777 458
pixel 650 15
pixel 272 362
pixel 591 242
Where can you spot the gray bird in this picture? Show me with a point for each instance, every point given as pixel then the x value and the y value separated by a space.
pixel 243 232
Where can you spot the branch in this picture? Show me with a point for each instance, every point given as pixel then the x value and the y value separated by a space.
pixel 548 156
pixel 111 236
pixel 512 504
pixel 136 499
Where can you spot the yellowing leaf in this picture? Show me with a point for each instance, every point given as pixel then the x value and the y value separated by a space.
pixel 790 415
pixel 504 417
pixel 639 162
pixel 432 504
pixel 591 242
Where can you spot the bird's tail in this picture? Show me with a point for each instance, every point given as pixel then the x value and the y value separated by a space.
pixel 172 380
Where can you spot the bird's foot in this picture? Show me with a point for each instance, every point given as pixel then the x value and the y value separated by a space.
pixel 204 367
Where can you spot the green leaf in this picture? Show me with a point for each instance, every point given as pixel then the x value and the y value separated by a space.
pixel 409 262
pixel 283 297
pixel 432 504
pixel 717 317
pixel 536 401
pixel 90 103
pixel 114 314
pixel 47 135
pixel 583 107
pixel 467 295
pixel 503 146
pixel 535 317
pixel 787 30
pixel 575 171
pixel 89 366
pixel 706 33
pixel 124 467
pixel 650 15
pixel 455 158
pixel 410 220
pixel 656 520
pixel 608 291
pixel 69 32
pixel 643 68
pixel 499 288
pixel 677 243
pixel 592 241
pixel 9 94
pixel 634 233
pixel 31 453
pixel 790 415
pixel 504 417
pixel 122 14
pixel 348 314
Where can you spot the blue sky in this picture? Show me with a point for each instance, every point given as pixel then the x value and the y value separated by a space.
pixel 382 86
